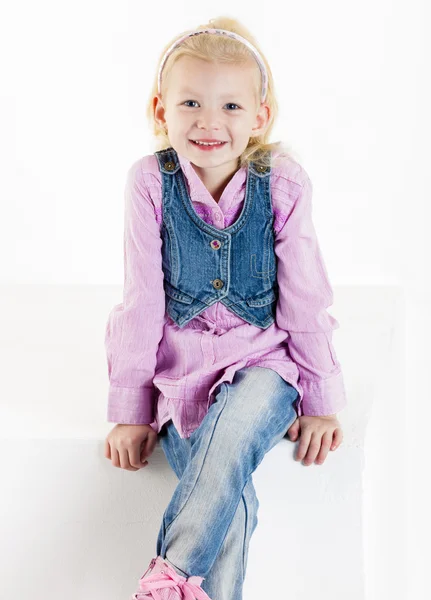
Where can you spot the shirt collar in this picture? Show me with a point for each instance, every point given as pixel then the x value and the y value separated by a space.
pixel 198 188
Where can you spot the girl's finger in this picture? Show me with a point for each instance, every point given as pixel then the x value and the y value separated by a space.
pixel 115 458
pixel 304 442
pixel 107 449
pixel 124 460
pixel 324 449
pixel 135 457
pixel 313 448
pixel 337 439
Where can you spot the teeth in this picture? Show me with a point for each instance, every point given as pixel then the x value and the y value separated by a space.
pixel 208 143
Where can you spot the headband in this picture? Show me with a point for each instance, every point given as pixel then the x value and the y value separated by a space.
pixel 230 34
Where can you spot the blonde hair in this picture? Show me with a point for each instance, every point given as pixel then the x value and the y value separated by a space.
pixel 222 49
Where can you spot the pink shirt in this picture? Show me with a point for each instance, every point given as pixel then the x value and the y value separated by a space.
pixel 158 371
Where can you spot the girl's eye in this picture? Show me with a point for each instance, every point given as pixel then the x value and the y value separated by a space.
pixel 229 103
pixel 189 101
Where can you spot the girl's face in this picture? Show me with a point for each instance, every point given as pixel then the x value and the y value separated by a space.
pixel 206 101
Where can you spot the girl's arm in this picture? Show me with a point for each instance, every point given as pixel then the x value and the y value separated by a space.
pixel 304 295
pixel 135 327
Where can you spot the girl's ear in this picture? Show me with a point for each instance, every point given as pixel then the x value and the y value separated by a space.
pixel 159 111
pixel 262 119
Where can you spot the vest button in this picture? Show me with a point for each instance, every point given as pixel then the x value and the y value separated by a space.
pixel 169 166
pixel 217 283
pixel 262 168
pixel 215 244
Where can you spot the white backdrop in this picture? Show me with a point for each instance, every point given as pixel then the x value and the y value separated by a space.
pixel 354 93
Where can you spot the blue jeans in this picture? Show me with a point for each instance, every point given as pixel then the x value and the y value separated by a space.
pixel 207 526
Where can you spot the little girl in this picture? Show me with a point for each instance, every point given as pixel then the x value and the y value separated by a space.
pixel 222 343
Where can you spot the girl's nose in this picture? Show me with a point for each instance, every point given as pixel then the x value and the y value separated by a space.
pixel 209 120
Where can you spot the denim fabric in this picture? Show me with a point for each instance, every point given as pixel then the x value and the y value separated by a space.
pixel 212 515
pixel 204 265
pixel 159 371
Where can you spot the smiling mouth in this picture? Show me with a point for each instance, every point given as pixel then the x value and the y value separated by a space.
pixel 208 143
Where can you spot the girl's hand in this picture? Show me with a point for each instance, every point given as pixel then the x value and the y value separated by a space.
pixel 128 446
pixel 318 436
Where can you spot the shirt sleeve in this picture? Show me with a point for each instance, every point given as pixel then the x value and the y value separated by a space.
pixel 135 327
pixel 304 295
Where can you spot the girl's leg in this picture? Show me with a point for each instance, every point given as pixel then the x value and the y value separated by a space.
pixel 178 454
pixel 226 577
pixel 233 554
pixel 214 505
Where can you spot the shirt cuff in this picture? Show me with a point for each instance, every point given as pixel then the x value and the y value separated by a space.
pixel 130 406
pixel 322 397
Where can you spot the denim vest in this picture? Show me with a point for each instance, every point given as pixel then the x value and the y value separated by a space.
pixel 203 265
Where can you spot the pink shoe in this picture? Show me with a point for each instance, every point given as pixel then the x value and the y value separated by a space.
pixel 164 583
